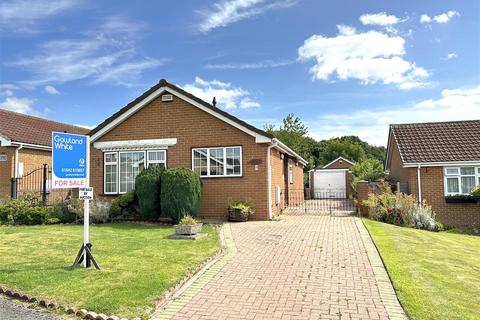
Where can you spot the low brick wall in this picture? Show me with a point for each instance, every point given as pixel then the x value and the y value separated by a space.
pixel 364 188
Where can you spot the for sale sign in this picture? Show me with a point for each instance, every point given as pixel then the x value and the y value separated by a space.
pixel 69 160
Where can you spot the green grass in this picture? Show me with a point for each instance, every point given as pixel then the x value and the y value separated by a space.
pixel 435 275
pixel 137 264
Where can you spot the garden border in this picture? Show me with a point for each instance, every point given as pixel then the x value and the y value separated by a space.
pixel 164 298
pixel 387 292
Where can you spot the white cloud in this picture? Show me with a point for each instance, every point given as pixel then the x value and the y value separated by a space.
pixel 452 55
pixel 51 90
pixel 227 96
pixel 252 65
pixel 226 12
pixel 441 18
pixel 22 105
pixel 22 15
pixel 108 54
pixel 8 86
pixel 380 19
pixel 372 124
pixel 370 57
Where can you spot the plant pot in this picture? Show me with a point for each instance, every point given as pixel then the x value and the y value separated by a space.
pixel 461 199
pixel 237 215
pixel 188 229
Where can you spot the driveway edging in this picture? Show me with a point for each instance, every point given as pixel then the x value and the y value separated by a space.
pixel 385 287
pixel 182 296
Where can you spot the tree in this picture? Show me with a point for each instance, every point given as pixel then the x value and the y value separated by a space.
pixel 337 148
pixel 369 170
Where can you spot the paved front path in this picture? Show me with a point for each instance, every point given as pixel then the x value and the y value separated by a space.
pixel 302 267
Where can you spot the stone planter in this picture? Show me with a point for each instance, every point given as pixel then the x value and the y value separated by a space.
pixel 188 230
pixel 236 215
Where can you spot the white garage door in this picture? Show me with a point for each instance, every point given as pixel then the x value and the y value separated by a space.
pixel 330 184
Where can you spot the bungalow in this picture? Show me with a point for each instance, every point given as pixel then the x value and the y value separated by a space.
pixel 435 161
pixel 170 127
pixel 26 144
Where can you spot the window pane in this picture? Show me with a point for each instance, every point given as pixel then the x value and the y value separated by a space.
pixel 111 157
pixel 233 161
pixel 216 162
pixel 451 171
pixel 200 161
pixel 468 183
pixel 111 178
pixel 452 185
pixel 467 170
pixel 131 164
pixel 156 155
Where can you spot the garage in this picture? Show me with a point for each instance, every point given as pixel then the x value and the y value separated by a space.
pixel 328 183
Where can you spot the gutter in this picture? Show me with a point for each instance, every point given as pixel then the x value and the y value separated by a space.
pixel 20 147
pixel 269 178
pixel 419 184
pixel 279 144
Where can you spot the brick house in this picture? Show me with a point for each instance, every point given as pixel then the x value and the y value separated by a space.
pixel 170 127
pixel 434 161
pixel 25 144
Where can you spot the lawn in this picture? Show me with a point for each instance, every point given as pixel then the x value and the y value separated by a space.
pixel 435 275
pixel 137 264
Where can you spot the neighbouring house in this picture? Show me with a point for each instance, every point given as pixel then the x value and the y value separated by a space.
pixel 438 162
pixel 170 127
pixel 331 181
pixel 25 145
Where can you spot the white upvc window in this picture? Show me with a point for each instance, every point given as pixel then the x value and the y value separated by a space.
pixel 217 161
pixel 131 164
pixel 290 170
pixel 461 180
pixel 157 158
pixel 110 173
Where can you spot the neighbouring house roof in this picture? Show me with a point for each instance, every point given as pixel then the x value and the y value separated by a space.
pixel 20 128
pixel 437 142
pixel 162 86
pixel 339 158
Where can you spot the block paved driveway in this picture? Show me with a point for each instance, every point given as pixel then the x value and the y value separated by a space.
pixel 302 267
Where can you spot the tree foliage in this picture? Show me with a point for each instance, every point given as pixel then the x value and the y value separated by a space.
pixel 294 133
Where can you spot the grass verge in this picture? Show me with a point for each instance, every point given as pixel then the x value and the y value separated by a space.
pixel 435 275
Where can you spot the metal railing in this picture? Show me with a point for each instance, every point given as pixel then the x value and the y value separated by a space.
pixel 331 202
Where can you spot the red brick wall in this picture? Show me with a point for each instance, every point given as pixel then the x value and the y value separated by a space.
pixel 397 172
pixel 195 128
pixel 33 159
pixel 278 179
pixel 454 214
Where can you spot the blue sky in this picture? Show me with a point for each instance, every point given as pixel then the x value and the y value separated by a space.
pixel 344 67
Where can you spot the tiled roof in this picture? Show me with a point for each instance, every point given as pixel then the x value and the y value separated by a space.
pixel 438 141
pixel 18 127
pixel 165 83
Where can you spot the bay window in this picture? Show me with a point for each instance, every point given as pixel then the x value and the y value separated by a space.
pixel 110 173
pixel 461 180
pixel 131 164
pixel 217 161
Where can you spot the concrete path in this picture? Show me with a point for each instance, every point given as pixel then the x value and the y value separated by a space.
pixel 15 310
pixel 302 267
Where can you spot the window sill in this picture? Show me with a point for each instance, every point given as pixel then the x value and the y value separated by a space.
pixel 217 177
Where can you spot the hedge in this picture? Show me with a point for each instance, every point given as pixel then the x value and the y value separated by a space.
pixel 181 193
pixel 147 189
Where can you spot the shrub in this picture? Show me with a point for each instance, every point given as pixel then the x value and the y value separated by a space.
pixel 124 206
pixel 99 211
pixel 181 191
pixel 147 189
pixel 476 193
pixel 400 209
pixel 18 212
pixel 424 217
pixel 62 211
pixel 11 209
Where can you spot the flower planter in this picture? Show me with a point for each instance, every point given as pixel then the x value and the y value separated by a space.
pixel 237 215
pixel 188 230
pixel 461 199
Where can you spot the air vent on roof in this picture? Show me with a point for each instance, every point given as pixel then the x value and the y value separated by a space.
pixel 167 97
